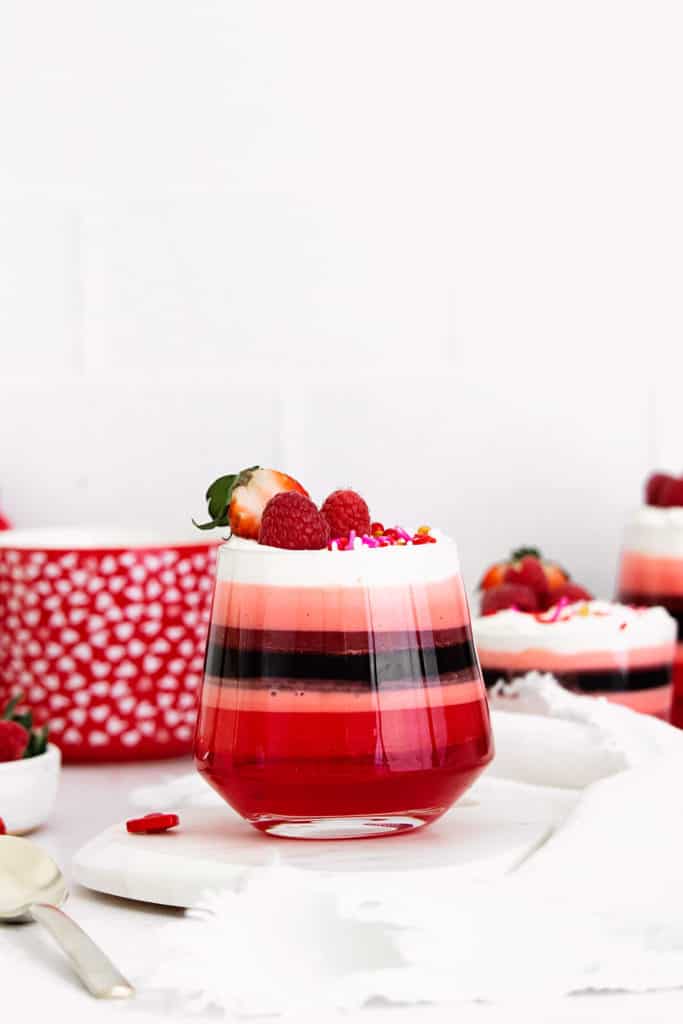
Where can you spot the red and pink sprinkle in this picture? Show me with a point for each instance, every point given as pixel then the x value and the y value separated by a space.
pixel 393 536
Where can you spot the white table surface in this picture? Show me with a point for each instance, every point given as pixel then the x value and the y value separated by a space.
pixel 92 797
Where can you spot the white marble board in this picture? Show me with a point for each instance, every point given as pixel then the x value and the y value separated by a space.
pixel 495 826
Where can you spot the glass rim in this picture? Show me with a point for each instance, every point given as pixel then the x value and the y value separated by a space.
pixel 98 538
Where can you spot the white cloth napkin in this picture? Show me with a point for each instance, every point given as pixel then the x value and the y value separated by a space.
pixel 548 736
pixel 598 906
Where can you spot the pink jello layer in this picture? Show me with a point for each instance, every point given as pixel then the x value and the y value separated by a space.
pixel 650 574
pixel 540 659
pixel 422 607
pixel 225 696
pixel 656 701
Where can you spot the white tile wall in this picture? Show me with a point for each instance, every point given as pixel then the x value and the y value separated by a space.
pixel 253 274
pixel 433 252
pixel 39 286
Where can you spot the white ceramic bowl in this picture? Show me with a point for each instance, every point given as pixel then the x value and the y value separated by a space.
pixel 28 789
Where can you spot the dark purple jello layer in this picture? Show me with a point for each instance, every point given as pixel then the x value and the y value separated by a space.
pixel 599 682
pixel 351 660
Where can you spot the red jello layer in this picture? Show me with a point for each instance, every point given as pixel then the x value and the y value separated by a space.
pixel 348 763
pixel 656 701
pixel 677 698
pixel 418 607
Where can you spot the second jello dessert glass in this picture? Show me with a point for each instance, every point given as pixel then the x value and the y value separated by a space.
pixel 342 695
pixel 651 573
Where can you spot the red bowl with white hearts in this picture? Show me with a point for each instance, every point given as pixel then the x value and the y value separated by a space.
pixel 104 633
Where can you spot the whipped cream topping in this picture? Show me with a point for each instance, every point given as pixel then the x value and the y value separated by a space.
pixel 245 561
pixel 656 531
pixel 584 626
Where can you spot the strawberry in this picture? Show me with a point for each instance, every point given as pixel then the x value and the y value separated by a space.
pixel 345 511
pixel 4 522
pixel 238 500
pixel 13 741
pixel 493 576
pixel 670 493
pixel 509 595
pixel 522 567
pixel 3 828
pixel 572 592
pixel 291 520
pixel 529 572
pixel 555 576
pixel 654 486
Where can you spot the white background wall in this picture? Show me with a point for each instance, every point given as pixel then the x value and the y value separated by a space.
pixel 432 250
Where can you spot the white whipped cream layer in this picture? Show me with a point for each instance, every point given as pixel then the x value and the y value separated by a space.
pixel 521 631
pixel 656 531
pixel 245 561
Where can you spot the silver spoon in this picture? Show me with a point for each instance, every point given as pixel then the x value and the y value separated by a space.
pixel 32 888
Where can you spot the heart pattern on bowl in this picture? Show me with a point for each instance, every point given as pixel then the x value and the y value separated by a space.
pixel 107 646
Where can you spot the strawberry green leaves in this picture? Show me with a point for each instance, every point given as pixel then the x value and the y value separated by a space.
pixel 219 496
pixel 525 552
pixel 37 742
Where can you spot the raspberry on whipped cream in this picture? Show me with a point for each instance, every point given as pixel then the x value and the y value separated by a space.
pixel 615 650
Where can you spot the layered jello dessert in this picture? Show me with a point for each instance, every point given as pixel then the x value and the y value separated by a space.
pixel 593 647
pixel 342 694
pixel 651 566
pixel 535 618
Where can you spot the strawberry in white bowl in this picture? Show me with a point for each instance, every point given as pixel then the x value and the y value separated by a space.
pixel 29 771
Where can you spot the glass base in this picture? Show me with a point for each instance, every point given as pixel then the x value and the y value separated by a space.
pixel 365 826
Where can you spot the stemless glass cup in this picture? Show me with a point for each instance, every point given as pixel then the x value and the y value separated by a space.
pixel 342 695
pixel 651 573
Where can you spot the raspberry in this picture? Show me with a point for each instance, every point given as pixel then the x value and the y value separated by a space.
pixel 13 741
pixel 290 520
pixel 529 572
pixel 152 823
pixel 345 511
pixel 670 494
pixel 509 595
pixel 572 592
pixel 654 486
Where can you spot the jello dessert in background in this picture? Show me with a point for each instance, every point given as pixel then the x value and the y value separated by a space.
pixel 536 619
pixel 594 647
pixel 342 696
pixel 651 565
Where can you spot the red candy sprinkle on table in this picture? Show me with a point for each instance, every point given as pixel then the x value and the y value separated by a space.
pixel 152 823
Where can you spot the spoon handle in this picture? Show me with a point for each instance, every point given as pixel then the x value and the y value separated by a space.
pixel 95 970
